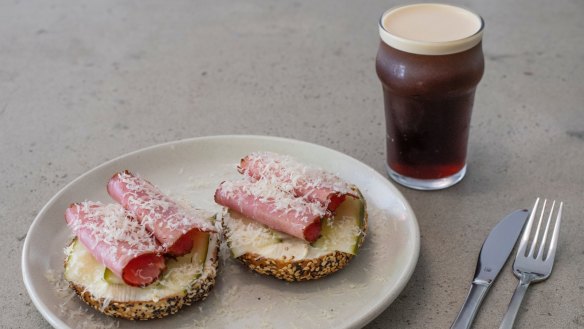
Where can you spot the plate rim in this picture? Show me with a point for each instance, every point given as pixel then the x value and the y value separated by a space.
pixel 373 312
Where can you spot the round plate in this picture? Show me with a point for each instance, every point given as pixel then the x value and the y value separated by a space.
pixel 192 169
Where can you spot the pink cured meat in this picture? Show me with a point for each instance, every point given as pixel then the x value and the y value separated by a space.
pixel 313 184
pixel 117 240
pixel 171 223
pixel 272 208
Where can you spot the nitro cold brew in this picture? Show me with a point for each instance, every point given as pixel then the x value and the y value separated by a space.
pixel 429 76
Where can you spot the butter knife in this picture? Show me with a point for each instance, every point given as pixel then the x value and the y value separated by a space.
pixel 494 254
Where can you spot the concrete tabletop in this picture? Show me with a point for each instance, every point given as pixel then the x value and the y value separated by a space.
pixel 82 82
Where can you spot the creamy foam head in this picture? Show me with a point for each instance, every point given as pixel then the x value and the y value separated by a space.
pixel 431 29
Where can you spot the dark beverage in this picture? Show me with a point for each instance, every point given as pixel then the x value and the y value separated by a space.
pixel 428 123
pixel 429 89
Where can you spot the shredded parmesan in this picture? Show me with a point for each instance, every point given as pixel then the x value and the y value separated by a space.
pixel 167 219
pixel 292 175
pixel 111 229
pixel 281 192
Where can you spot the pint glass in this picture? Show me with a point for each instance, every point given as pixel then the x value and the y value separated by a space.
pixel 430 62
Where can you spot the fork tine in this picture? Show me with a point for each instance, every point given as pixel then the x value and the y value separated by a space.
pixel 536 236
pixel 554 243
pixel 527 230
pixel 545 232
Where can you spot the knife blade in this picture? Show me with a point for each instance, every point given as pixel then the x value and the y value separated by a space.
pixel 492 258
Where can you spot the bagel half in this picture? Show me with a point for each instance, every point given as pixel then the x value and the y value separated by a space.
pixel 187 279
pixel 280 255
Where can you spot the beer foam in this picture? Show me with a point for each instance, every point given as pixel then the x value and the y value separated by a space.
pixel 431 29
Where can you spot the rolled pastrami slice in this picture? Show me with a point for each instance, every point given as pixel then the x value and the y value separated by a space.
pixel 315 185
pixel 116 239
pixel 171 223
pixel 269 206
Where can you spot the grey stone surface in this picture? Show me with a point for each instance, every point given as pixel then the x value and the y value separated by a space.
pixel 82 82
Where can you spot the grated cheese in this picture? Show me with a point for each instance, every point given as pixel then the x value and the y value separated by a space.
pixel 295 177
pixel 282 193
pixel 83 269
pixel 272 195
pixel 112 234
pixel 167 219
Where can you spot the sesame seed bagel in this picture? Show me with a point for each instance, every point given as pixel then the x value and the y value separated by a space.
pixel 297 270
pixel 276 254
pixel 187 279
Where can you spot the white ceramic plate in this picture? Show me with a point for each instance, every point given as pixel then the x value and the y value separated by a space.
pixel 192 169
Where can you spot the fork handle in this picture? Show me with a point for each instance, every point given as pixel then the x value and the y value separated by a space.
pixel 467 313
pixel 515 303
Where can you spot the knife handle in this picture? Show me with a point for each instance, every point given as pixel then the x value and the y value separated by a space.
pixel 467 313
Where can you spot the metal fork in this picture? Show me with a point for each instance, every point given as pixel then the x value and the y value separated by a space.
pixel 530 267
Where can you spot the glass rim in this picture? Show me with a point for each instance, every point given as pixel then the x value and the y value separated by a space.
pixel 431 47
